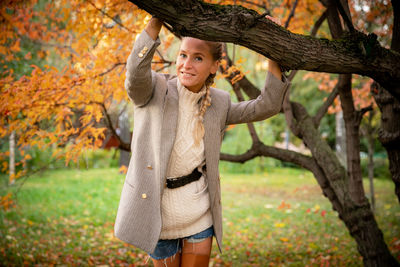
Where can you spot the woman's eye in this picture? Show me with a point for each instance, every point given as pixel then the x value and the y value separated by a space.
pixel 199 59
pixel 182 55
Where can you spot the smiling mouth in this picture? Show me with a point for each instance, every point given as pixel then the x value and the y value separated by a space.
pixel 185 74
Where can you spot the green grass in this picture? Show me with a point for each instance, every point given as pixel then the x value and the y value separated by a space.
pixel 278 218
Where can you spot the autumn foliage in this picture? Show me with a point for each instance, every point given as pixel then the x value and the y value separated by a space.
pixel 64 105
pixel 63 67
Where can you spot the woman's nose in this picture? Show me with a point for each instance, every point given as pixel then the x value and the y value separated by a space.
pixel 187 64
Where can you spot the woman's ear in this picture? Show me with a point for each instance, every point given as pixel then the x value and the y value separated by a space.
pixel 214 67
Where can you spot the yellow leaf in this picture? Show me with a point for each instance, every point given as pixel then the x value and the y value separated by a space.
pixel 316 208
pixel 312 245
pixel 279 225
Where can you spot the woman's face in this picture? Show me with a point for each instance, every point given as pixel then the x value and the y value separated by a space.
pixel 194 63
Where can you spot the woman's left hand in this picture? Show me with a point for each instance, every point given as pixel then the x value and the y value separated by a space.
pixel 275 20
pixel 273 66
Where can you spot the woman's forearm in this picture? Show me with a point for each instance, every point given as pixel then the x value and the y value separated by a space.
pixel 139 80
pixel 153 27
pixel 275 69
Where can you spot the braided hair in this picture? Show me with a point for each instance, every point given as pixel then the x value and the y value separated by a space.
pixel 216 50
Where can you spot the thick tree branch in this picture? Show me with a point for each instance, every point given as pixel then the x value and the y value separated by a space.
pixel 355 53
pixel 314 31
pixel 259 149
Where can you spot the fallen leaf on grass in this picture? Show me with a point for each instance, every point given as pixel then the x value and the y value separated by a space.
pixel 279 225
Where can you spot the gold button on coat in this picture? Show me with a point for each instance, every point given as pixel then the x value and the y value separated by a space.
pixel 149 167
pixel 144 50
pixel 144 196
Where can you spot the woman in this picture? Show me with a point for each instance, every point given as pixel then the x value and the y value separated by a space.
pixel 171 200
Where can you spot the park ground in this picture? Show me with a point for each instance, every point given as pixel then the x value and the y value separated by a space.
pixel 277 218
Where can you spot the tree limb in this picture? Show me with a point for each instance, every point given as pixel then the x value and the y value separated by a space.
pixel 318 23
pixel 291 15
pixel 324 108
pixel 259 149
pixel 345 16
pixel 355 53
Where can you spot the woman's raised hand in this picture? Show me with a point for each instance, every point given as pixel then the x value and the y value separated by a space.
pixel 153 27
pixel 273 66
pixel 275 20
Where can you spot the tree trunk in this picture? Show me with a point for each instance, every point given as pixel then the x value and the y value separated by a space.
pixel 389 133
pixel 352 119
pixel 359 219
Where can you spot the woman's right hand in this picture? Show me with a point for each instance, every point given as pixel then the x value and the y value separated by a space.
pixel 153 27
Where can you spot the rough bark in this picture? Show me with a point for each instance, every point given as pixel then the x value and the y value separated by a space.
pixel 354 53
pixel 352 119
pixel 359 219
pixel 389 133
pixel 351 116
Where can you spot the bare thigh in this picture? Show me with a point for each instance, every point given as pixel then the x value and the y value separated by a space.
pixel 196 254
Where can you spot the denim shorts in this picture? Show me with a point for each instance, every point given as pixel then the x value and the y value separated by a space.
pixel 169 247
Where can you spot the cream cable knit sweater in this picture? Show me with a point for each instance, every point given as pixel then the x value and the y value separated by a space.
pixel 186 210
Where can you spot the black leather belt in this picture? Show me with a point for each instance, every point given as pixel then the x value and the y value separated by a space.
pixel 184 180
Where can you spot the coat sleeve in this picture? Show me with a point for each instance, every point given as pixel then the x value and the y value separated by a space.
pixel 267 104
pixel 140 79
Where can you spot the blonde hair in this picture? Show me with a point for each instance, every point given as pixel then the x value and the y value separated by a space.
pixel 216 49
